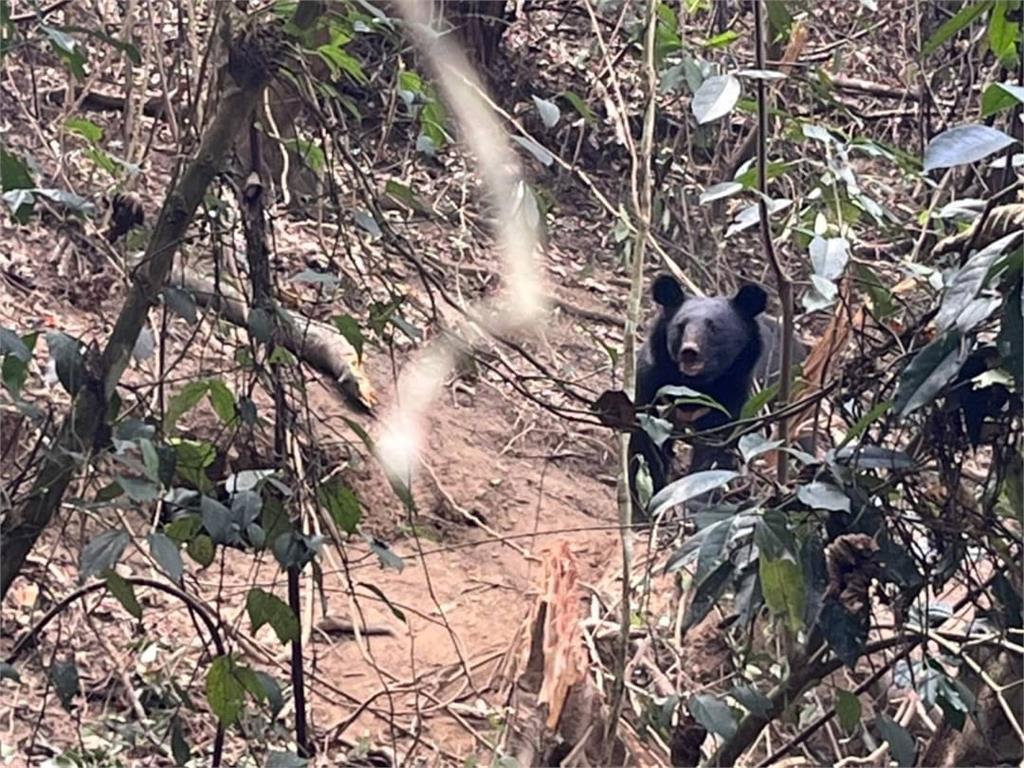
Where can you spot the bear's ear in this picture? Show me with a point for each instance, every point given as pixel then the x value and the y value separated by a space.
pixel 750 300
pixel 667 292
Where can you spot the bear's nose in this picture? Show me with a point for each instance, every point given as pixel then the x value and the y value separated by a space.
pixel 689 353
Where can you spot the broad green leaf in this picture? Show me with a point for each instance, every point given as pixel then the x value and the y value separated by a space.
pixel 967 13
pixel 967 282
pixel 124 592
pixel 714 714
pixel 87 129
pixel 180 750
pixel 222 401
pixel 7 672
pixel 712 552
pixel 782 584
pixel 67 356
pixel 929 372
pixel 341 504
pixel 962 145
pixel 722 39
pixel 224 691
pixel 715 98
pixel 707 593
pixel 181 303
pixel 540 154
pixel 137 488
pixel 690 487
pixel 14 172
pixel 166 553
pixel 184 401
pixel 64 676
pixel 999 96
pixel 12 344
pixel 900 741
pixel 201 549
pixel 182 529
pixel 278 759
pixel 405 195
pixel 753 445
pixel 102 553
pixel 549 112
pixel 271 692
pixel 349 328
pixel 580 106
pixel 848 710
pixel 720 190
pixel 265 608
pixel 820 495
pixel 367 223
pixel 1003 34
pixel 217 520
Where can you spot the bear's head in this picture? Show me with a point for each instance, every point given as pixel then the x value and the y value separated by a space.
pixel 706 336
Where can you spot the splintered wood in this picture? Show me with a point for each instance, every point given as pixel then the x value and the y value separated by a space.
pixel 565 662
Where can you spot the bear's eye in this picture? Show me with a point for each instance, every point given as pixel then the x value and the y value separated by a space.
pixel 712 326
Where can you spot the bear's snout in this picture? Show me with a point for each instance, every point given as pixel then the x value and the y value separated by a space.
pixel 691 362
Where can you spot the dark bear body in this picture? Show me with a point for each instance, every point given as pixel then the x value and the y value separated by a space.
pixel 713 345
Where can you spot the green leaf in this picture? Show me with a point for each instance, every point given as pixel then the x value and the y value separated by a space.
pixel 962 145
pixel 201 550
pixel 64 676
pixel 14 173
pixel 754 405
pixel 14 373
pixel 166 553
pixel 7 672
pixel 715 98
pixel 690 487
pixel 968 13
pixel 181 303
pixel 580 106
pixel 848 710
pixel 341 503
pixel 782 584
pixel 217 520
pixel 271 692
pixel 180 750
pixel 102 553
pixel 967 282
pixel 719 191
pixel 184 401
pixel 277 759
pixel 1002 34
pixel 404 194
pixel 929 372
pixel 753 445
pixel 183 529
pixel 224 691
pixel 549 112
pixel 222 401
pixel 12 344
pixel 540 154
pixel 137 488
pixel 265 608
pixel 124 592
pixel 900 741
pixel 999 96
pixel 714 714
pixel 87 129
pixel 367 223
pixel 820 495
pixel 722 39
pixel 67 355
pixel 68 49
pixel 349 328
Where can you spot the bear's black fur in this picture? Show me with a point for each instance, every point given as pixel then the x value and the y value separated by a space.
pixel 712 345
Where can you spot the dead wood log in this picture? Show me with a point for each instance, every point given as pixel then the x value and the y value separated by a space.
pixel 309 340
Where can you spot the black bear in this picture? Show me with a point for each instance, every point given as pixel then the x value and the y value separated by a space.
pixel 713 345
